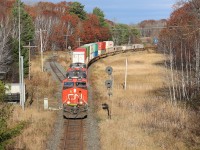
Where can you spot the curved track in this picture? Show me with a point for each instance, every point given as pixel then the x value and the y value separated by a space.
pixel 115 53
pixel 74 128
pixel 60 76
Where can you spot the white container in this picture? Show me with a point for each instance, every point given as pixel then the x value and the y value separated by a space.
pixel 91 55
pixel 109 44
pixel 78 57
pixel 138 46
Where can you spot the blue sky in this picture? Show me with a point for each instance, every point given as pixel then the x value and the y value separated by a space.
pixel 127 11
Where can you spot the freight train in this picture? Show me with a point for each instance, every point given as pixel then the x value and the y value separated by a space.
pixel 75 85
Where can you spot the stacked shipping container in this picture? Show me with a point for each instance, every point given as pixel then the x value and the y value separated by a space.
pixel 79 55
pixel 101 47
pixel 88 51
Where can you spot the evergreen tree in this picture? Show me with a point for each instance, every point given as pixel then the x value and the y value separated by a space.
pixel 78 9
pixel 27 34
pixel 99 13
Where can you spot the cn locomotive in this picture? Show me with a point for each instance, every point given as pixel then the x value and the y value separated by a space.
pixel 75 92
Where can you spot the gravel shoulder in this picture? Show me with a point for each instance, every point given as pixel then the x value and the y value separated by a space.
pixel 57 133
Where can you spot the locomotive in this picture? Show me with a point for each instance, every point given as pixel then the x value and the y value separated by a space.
pixel 75 92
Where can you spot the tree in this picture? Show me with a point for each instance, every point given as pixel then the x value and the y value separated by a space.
pixel 99 13
pixel 7 133
pixel 78 9
pixel 120 34
pixel 27 33
pixel 5 35
pixel 180 39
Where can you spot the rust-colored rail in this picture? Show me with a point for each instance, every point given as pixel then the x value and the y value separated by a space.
pixel 73 135
pixel 60 76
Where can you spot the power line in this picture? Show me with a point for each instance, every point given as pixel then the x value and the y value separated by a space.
pixel 156 27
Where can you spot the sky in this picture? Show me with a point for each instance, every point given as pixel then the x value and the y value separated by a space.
pixel 126 11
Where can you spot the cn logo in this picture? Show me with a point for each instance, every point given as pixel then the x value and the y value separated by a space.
pixel 75 96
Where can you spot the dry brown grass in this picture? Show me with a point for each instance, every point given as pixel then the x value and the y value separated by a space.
pixel 141 119
pixel 40 122
pixel 64 59
pixel 40 126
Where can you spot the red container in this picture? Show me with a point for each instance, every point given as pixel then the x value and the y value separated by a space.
pixel 101 45
pixel 80 49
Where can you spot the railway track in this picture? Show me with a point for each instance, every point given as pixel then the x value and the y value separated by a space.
pixel 73 128
pixel 115 53
pixel 73 134
pixel 59 74
pixel 73 137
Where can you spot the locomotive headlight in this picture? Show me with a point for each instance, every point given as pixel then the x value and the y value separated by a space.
pixel 68 102
pixel 81 102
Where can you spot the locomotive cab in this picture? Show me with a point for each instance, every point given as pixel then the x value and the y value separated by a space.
pixel 75 98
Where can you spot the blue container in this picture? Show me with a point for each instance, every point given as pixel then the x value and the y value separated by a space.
pixel 96 54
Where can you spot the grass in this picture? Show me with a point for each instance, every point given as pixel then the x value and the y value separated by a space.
pixel 40 125
pixel 40 121
pixel 142 119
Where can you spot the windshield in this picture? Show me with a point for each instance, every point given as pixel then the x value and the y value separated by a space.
pixel 68 85
pixel 76 74
pixel 81 84
pixel 77 65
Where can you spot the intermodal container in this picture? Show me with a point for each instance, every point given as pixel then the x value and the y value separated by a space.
pixel 95 54
pixel 101 45
pixel 79 55
pixel 109 44
pixel 101 52
pixel 87 48
pixel 95 47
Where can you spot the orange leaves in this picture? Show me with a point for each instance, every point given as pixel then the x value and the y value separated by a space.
pixel 60 24
pixel 70 18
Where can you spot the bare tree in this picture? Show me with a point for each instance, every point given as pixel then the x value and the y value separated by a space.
pixel 5 51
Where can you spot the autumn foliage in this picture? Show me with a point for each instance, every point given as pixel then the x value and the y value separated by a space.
pixel 61 24
pixel 180 39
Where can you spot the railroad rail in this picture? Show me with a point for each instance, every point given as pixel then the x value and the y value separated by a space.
pixel 73 134
pixel 60 76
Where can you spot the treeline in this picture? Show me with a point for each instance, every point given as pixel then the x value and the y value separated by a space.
pixel 63 25
pixel 181 41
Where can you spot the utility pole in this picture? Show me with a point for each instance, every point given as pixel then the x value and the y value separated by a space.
pixel 125 74
pixel 79 41
pixel 22 80
pixel 29 58
pixel 67 40
pixel 68 27
pixel 41 47
pixel 19 38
